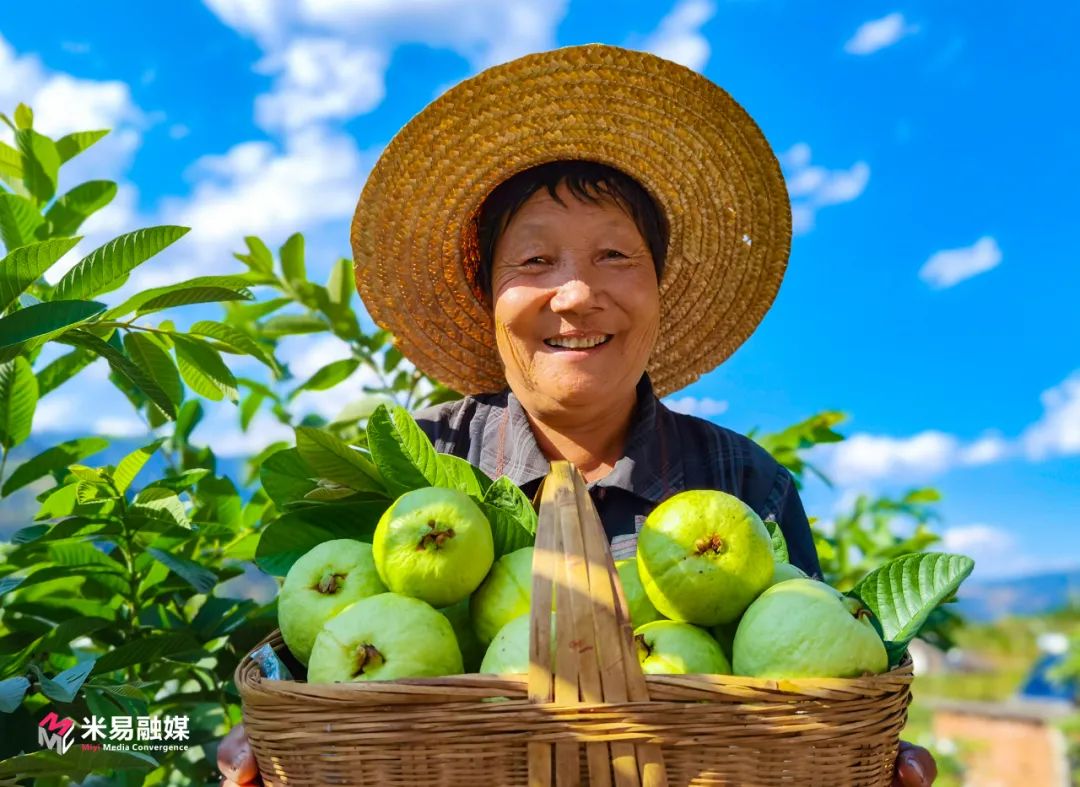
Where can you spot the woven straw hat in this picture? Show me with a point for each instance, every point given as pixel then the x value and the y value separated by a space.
pixel 698 153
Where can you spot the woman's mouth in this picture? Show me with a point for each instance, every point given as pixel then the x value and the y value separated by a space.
pixel 585 342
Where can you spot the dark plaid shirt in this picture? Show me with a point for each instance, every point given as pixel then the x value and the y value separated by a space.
pixel 666 452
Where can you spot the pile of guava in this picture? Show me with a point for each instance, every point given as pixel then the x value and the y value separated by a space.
pixel 439 589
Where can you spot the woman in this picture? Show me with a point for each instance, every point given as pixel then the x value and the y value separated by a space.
pixel 583 231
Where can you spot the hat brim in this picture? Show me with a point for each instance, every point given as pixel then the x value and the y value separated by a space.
pixel 697 152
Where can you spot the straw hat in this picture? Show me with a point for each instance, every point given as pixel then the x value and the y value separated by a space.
pixel 698 153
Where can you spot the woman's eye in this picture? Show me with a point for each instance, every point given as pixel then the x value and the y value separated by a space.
pixel 535 261
pixel 613 254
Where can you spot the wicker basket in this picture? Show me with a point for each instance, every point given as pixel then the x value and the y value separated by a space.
pixel 594 719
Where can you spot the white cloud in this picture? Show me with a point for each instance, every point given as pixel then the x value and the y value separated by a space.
pixel 990 448
pixel 994 549
pixel 814 187
pixel 678 37
pixel 223 433
pixel 330 56
pixel 120 426
pixel 703 407
pixel 1057 432
pixel 951 266
pixel 878 34
pixel 319 79
pixel 866 457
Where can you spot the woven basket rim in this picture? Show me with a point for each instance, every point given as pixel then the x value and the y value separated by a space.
pixel 248 680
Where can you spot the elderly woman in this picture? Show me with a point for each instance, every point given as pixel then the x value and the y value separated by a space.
pixel 566 238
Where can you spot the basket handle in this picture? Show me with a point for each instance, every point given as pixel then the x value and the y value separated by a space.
pixel 594 653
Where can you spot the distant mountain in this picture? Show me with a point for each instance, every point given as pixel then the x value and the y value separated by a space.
pixel 1034 595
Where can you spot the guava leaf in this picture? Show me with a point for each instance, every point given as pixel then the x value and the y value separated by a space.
pixel 903 592
pixel 335 460
pixel 286 539
pixel 512 517
pixel 12 692
pixel 779 543
pixel 64 686
pixel 403 453
pixel 459 474
pixel 200 578
pixel 76 763
pixel 285 477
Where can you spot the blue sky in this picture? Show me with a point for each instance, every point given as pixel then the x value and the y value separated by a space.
pixel 930 150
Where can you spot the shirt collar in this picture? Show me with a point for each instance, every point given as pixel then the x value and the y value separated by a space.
pixel 649 468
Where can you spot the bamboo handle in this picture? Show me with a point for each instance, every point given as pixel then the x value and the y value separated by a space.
pixel 595 660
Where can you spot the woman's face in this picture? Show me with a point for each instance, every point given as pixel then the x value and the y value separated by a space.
pixel 577 304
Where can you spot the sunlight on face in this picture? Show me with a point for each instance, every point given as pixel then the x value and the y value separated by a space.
pixel 577 304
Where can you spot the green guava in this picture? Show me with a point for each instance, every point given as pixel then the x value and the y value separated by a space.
pixel 785 571
pixel 433 544
pixel 508 653
pixel 384 637
pixel 803 628
pixel 665 647
pixel 703 556
pixel 324 581
pixel 642 610
pixel 472 649
pixel 503 595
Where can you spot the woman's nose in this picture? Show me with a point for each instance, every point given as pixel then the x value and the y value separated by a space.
pixel 575 294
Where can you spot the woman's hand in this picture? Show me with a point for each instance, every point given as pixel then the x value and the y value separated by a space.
pixel 236 761
pixel 915 767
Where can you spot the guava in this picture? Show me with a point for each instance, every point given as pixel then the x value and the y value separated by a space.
pixel 665 647
pixel 433 544
pixel 508 653
pixel 324 581
pixel 642 610
pixel 785 571
pixel 503 595
pixel 472 649
pixel 384 637
pixel 803 628
pixel 703 556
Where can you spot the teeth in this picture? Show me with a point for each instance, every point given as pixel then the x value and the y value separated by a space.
pixel 576 343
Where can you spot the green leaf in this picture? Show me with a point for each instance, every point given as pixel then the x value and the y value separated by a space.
pixel 124 367
pixel 41 164
pixel 403 454
pixel 328 376
pixel 236 340
pixel 63 369
pixel 72 145
pixel 12 692
pixel 10 163
pixel 52 460
pixel 292 324
pixel 259 256
pixel 25 265
pixel 47 320
pixel 131 464
pixel 76 763
pixel 148 649
pixel 67 214
pixel 335 460
pixel 904 591
pixel 19 220
pixel 159 504
pixel 779 543
pixel 202 368
pixel 294 533
pixel 285 477
pixel 459 474
pixel 136 302
pixel 341 284
pixel 194 295
pixel 24 116
pixel 149 356
pixel 292 259
pixel 513 519
pixel 66 685
pixel 18 400
pixel 108 266
pixel 202 579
